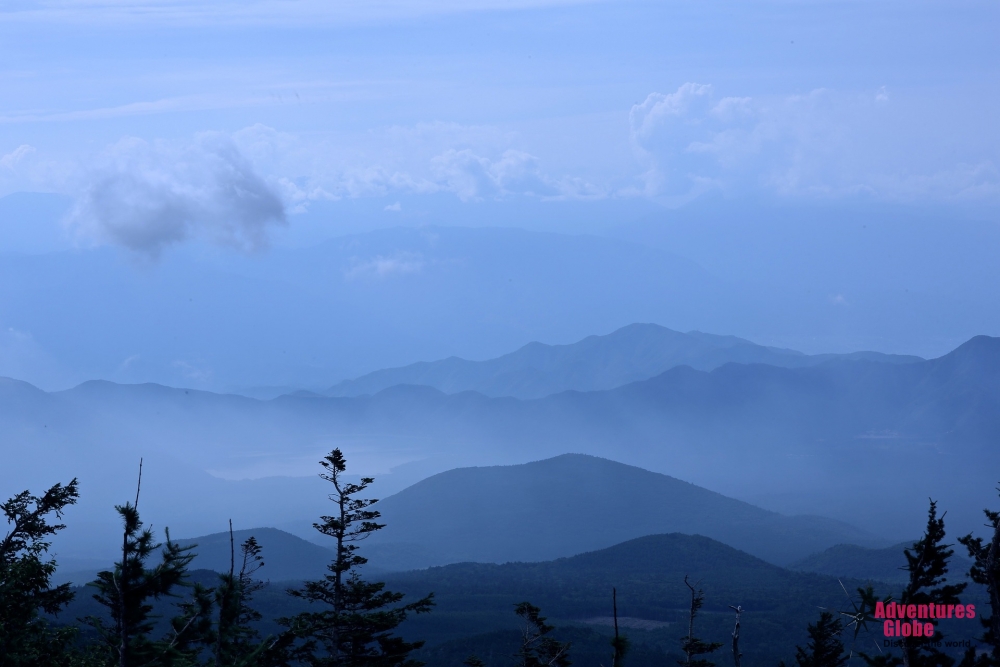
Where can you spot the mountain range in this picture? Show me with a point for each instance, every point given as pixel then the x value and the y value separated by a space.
pixel 862 441
pixel 357 299
pixel 632 353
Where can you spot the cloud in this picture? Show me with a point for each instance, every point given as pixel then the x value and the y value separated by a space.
pixel 395 208
pixel 192 372
pixel 148 196
pixel 472 162
pixel 473 177
pixel 381 267
pixel 819 144
pixel 11 160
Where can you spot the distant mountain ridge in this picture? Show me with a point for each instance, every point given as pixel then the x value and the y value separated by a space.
pixel 631 353
pixel 861 441
pixel 286 557
pixel 887 564
pixel 574 503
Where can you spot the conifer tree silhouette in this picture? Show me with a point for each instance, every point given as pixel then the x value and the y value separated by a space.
pixel 356 627
pixel 927 565
pixel 825 648
pixel 691 645
pixel 128 590
pixel 26 591
pixel 985 571
pixel 538 649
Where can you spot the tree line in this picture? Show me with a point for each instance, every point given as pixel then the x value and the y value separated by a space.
pixel 353 622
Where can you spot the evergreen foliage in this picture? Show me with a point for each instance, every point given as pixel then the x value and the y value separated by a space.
pixel 538 649
pixel 128 590
pixel 985 571
pixel 356 626
pixel 235 640
pixel 26 593
pixel 927 567
pixel 197 636
pixel 825 648
pixel 691 645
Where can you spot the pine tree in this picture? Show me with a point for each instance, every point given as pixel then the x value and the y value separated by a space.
pixel 691 645
pixel 825 648
pixel 985 571
pixel 927 565
pixel 235 642
pixel 127 593
pixel 619 643
pixel 25 580
pixel 538 649
pixel 356 626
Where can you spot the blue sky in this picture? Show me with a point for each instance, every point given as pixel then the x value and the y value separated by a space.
pixel 833 167
pixel 165 121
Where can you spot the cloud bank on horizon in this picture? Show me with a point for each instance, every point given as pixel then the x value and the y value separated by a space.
pixel 172 120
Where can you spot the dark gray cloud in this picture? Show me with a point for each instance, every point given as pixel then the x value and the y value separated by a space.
pixel 148 196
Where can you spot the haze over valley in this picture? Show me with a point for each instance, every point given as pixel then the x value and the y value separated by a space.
pixel 674 323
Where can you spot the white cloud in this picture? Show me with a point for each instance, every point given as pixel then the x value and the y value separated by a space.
pixel 11 160
pixel 380 267
pixel 474 177
pixel 819 144
pixel 395 208
pixel 192 372
pixel 147 196
pixel 472 162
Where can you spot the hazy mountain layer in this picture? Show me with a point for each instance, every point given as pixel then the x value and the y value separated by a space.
pixel 286 556
pixel 860 441
pixel 573 503
pixel 635 352
pixel 857 562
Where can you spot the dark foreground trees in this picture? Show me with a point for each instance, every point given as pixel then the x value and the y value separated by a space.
pixel 214 625
pixel 212 628
pixel 355 624
pixel 26 593
pixel 825 648
pixel 127 592
pixel 692 646
pixel 537 647
pixel 986 572
pixel 927 567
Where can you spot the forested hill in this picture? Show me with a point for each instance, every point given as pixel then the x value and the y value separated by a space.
pixel 575 503
pixel 632 353
pixel 475 601
pixel 649 576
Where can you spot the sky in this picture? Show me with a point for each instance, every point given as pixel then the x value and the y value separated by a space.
pixel 170 120
pixel 239 195
pixel 161 126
